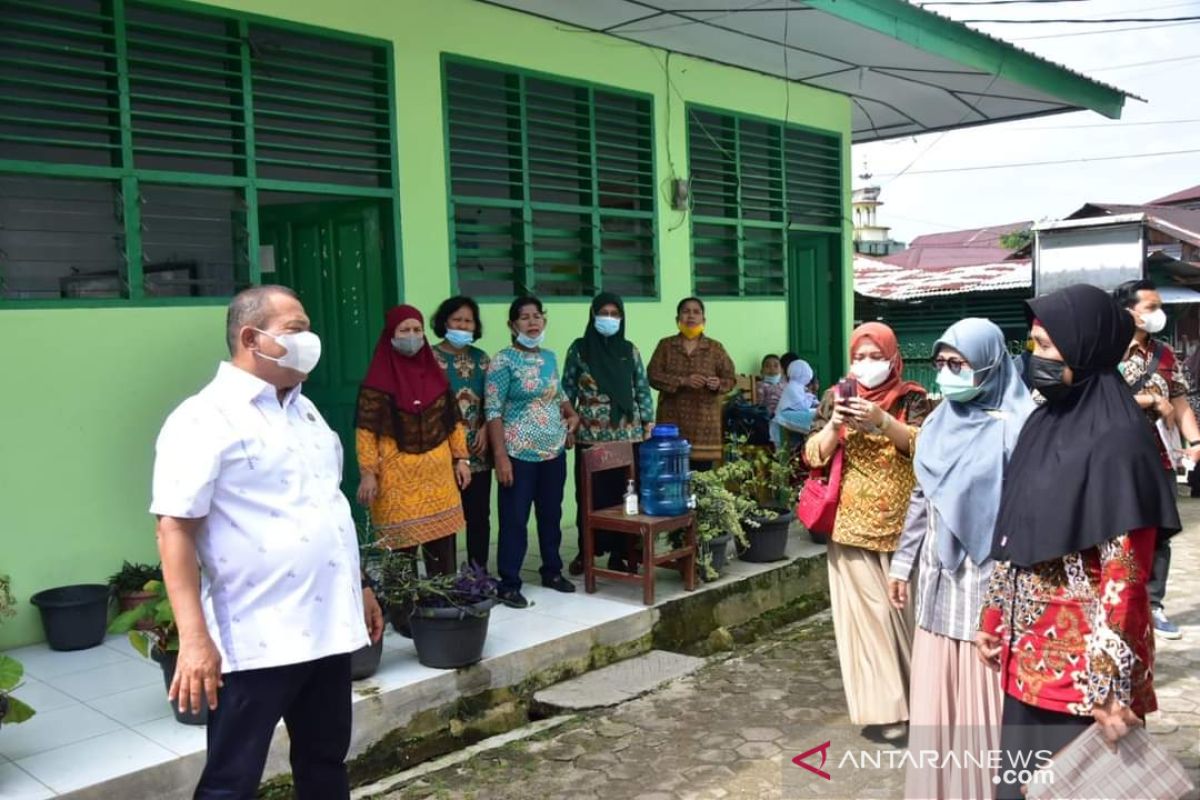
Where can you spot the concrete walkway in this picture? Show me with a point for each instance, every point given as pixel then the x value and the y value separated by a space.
pixel 732 729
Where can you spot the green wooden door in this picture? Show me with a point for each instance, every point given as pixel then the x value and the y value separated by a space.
pixel 814 303
pixel 331 254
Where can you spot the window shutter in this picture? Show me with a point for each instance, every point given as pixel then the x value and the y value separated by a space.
pixel 321 108
pixel 551 184
pixel 751 181
pixel 59 66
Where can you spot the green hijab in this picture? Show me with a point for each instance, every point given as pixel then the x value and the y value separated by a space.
pixel 610 359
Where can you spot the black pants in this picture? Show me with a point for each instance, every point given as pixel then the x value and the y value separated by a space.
pixel 608 489
pixel 313 700
pixel 477 508
pixel 536 484
pixel 1029 737
pixel 1156 587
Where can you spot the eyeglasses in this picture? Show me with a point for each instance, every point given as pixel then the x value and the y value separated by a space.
pixel 955 364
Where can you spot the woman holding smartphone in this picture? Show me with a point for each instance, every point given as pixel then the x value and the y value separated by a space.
pixel 874 415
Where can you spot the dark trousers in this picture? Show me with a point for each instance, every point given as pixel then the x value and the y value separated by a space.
pixel 440 555
pixel 1029 736
pixel 608 490
pixel 536 484
pixel 477 508
pixel 1156 587
pixel 313 700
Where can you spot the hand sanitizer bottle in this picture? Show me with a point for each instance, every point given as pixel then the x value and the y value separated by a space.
pixel 631 500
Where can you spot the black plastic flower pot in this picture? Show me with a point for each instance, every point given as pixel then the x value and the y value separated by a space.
pixel 74 617
pixel 768 542
pixel 449 638
pixel 167 660
pixel 365 660
pixel 718 551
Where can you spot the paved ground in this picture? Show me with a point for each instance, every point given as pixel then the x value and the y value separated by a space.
pixel 731 730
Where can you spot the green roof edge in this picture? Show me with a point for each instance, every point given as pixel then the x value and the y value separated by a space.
pixel 944 37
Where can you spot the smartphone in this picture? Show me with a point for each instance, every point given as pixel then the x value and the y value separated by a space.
pixel 847 388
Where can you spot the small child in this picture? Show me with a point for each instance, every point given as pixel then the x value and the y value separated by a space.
pixel 771 383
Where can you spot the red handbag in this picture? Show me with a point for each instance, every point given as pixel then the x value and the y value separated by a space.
pixel 818 503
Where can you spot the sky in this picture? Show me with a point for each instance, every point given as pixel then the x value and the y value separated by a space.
pixel 914 204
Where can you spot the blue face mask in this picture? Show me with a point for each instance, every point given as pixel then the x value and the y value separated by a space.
pixel 607 326
pixel 460 338
pixel 960 388
pixel 772 379
pixel 530 342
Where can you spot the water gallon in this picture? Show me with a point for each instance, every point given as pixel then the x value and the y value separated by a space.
pixel 664 472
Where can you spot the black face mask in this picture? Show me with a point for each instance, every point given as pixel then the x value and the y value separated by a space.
pixel 1047 377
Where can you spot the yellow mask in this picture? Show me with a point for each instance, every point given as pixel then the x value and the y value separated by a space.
pixel 691 331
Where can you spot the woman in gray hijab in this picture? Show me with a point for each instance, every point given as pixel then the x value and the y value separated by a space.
pixel 959 462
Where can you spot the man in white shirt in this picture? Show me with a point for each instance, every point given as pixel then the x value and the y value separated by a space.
pixel 247 485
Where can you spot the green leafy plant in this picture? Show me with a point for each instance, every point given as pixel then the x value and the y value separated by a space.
pixel 12 709
pixel 400 584
pixel 134 577
pixel 718 512
pixel 761 474
pixel 162 635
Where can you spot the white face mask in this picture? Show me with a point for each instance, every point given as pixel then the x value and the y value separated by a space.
pixel 871 373
pixel 302 350
pixel 1155 321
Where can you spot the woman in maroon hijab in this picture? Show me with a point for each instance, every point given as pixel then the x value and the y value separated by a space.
pixel 412 446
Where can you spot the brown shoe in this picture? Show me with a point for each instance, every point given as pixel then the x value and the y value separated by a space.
pixel 576 566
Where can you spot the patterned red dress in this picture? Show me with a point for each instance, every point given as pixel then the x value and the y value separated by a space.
pixel 1078 627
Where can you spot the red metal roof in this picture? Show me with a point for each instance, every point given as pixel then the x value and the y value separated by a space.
pixel 938 251
pixel 1182 196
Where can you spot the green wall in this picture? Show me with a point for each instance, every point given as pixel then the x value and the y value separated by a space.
pixel 86 390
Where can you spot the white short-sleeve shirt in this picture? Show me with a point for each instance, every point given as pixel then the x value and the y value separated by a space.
pixel 280 580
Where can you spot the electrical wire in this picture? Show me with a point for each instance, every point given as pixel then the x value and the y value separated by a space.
pixel 1094 33
pixel 980 167
pixel 1076 20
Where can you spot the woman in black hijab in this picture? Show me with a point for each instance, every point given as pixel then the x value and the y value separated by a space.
pixel 1066 620
pixel 605 380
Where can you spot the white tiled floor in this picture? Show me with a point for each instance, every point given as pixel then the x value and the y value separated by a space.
pixel 103 712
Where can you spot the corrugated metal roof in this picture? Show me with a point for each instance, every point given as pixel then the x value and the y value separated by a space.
pixel 1179 223
pixel 882 280
pixel 1182 196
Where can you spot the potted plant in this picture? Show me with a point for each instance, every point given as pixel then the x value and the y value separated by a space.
pixel 764 477
pixel 159 641
pixel 721 516
pixel 447 614
pixel 128 584
pixel 12 709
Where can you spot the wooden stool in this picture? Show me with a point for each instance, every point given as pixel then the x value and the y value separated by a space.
pixel 619 455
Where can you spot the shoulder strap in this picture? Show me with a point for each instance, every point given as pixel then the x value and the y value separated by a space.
pixel 1151 367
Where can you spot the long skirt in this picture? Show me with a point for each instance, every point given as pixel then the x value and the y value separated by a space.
pixel 874 640
pixel 956 706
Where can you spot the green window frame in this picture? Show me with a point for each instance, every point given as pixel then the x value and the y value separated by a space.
pixel 754 180
pixel 176 115
pixel 550 184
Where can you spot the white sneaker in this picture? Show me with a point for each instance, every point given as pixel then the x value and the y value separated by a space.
pixel 1164 627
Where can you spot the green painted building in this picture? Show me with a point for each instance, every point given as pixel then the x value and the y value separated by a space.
pixel 157 155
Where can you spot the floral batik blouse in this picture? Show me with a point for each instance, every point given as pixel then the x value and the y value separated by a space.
pixel 877 479
pixel 467 372
pixel 1077 630
pixel 523 392
pixel 592 405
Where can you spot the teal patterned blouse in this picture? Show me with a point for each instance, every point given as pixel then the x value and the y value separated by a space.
pixel 595 422
pixel 524 393
pixel 467 372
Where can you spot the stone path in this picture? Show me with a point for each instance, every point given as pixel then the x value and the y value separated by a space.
pixel 732 729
